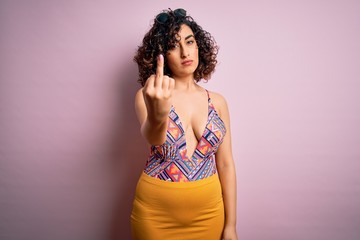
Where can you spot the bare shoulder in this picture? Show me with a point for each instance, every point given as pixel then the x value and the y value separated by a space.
pixel 219 102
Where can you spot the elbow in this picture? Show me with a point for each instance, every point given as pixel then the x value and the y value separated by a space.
pixel 226 165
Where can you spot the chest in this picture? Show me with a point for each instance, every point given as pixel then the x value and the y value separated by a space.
pixel 193 117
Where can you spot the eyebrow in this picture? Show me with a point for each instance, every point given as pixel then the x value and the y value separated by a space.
pixel 189 37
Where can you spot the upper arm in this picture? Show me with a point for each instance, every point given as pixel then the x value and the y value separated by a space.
pixel 224 153
pixel 140 107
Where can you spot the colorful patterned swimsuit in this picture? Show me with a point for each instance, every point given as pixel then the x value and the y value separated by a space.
pixel 170 162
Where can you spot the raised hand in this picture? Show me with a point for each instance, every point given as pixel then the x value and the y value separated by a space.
pixel 157 93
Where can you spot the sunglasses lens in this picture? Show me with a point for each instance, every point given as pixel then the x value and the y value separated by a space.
pixel 180 12
pixel 162 17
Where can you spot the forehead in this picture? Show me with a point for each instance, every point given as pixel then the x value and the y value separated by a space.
pixel 185 31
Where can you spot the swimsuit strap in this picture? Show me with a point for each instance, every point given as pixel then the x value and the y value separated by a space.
pixel 208 94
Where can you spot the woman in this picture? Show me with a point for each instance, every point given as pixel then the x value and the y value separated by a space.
pixel 188 187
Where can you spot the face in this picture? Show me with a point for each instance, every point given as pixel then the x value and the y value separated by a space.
pixel 183 59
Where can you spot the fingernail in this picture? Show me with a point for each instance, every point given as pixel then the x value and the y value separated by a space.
pixel 161 57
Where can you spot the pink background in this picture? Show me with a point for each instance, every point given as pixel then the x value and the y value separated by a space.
pixel 70 147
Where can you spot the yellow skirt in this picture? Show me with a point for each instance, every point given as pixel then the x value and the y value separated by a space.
pixel 177 211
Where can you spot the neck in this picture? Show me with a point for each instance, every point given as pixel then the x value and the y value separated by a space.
pixel 184 83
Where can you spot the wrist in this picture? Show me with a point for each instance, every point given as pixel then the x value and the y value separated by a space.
pixel 230 225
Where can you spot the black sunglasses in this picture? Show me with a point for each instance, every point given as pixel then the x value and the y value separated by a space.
pixel 164 16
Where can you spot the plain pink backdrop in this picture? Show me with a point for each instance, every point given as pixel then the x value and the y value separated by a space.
pixel 70 147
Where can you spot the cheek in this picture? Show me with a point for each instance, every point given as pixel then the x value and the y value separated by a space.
pixel 195 53
pixel 195 50
pixel 169 59
pixel 170 62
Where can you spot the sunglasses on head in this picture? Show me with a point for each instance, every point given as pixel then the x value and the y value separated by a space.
pixel 164 16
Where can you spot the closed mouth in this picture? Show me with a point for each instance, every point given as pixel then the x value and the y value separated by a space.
pixel 186 62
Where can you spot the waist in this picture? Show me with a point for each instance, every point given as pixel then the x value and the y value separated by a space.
pixel 181 170
pixel 170 184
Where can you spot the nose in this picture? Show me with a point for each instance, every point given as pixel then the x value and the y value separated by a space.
pixel 184 52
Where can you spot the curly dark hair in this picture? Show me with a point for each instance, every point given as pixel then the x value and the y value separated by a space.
pixel 162 37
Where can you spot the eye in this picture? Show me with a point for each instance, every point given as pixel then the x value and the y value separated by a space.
pixel 190 42
pixel 173 46
pixel 176 45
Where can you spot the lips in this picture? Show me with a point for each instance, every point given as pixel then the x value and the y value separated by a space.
pixel 187 62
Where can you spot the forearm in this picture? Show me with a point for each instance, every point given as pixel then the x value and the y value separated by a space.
pixel 154 130
pixel 228 183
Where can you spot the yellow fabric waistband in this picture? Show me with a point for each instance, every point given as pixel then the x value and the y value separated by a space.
pixel 168 184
